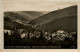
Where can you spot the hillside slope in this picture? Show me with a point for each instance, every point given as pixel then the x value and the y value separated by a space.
pixel 68 24
pixel 69 11
pixel 15 17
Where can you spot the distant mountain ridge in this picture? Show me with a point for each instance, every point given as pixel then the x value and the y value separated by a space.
pixel 22 16
pixel 29 14
pixel 19 18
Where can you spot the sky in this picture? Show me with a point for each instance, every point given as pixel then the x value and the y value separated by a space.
pixel 35 5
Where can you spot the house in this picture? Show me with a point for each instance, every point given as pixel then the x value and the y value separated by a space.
pixel 7 31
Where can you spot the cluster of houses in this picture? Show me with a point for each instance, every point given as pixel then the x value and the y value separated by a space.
pixel 58 35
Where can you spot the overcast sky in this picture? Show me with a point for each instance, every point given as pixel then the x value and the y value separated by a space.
pixel 35 5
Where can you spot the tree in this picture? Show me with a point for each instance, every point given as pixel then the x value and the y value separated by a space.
pixel 41 35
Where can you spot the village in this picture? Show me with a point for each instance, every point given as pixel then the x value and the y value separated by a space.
pixel 37 37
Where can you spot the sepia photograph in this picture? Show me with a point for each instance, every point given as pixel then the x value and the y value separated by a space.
pixel 40 25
